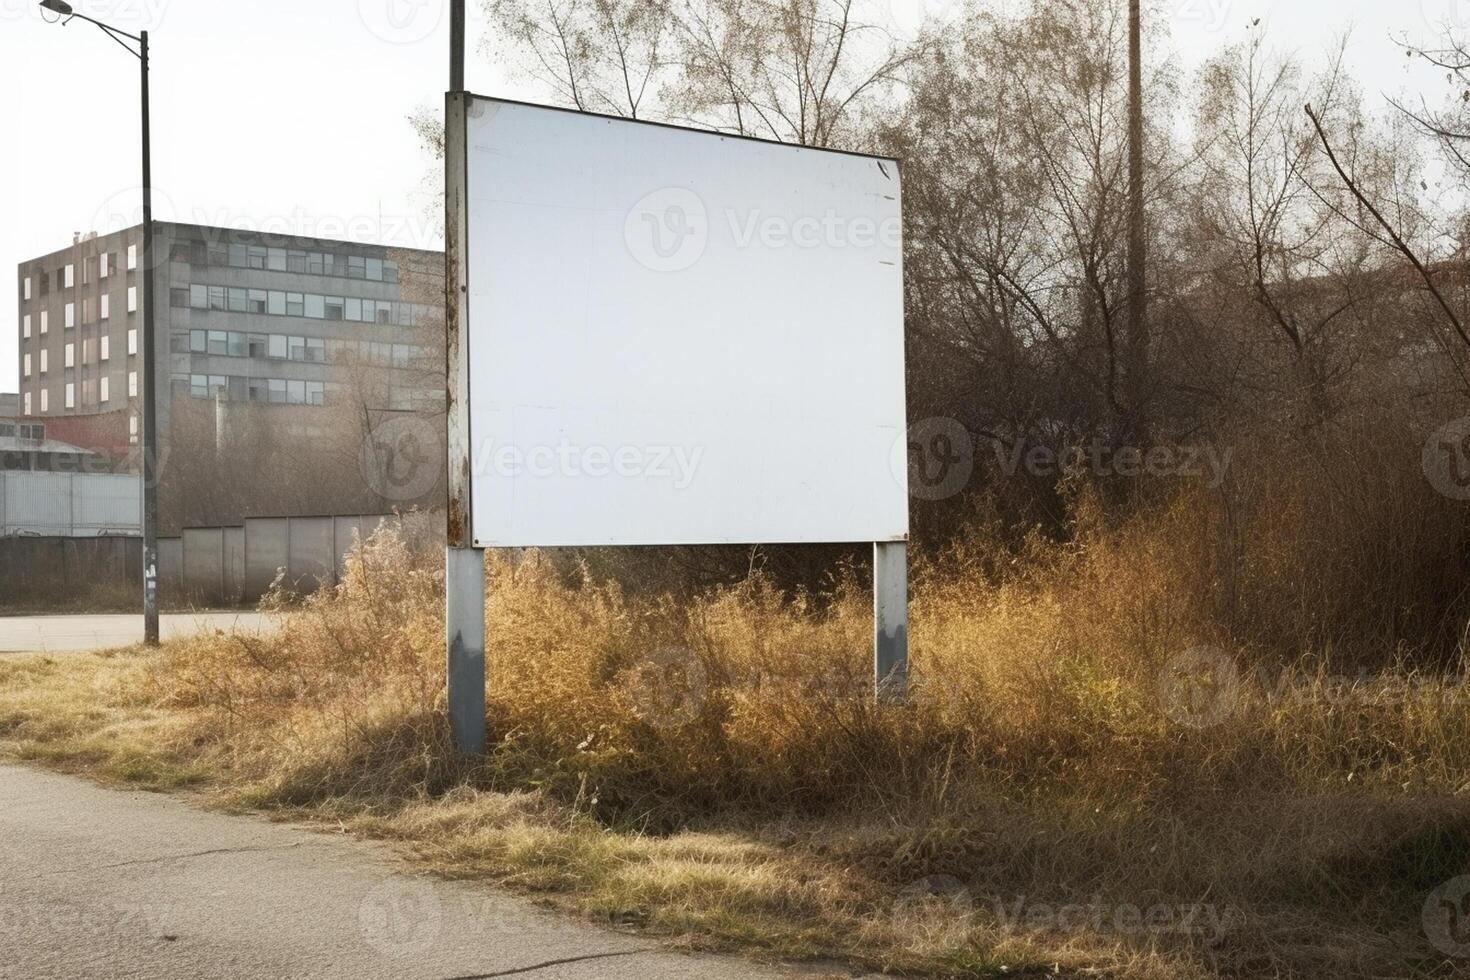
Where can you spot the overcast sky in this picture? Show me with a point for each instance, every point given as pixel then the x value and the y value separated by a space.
pixel 290 114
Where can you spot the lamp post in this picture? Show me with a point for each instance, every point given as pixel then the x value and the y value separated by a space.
pixel 150 414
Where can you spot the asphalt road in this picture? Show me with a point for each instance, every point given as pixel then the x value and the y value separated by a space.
pixel 52 634
pixel 98 883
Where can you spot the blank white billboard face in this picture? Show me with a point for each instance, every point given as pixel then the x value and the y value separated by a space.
pixel 677 337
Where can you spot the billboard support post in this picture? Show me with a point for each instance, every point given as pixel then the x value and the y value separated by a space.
pixel 464 564
pixel 891 620
pixel 464 607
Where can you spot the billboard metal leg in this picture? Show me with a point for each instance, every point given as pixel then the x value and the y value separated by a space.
pixel 464 618
pixel 891 620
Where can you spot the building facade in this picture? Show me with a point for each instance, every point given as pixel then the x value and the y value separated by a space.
pixel 268 346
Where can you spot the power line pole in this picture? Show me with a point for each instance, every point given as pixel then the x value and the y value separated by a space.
pixel 464 564
pixel 1138 335
pixel 150 389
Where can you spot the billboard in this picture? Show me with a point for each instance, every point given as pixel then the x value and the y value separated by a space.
pixel 678 337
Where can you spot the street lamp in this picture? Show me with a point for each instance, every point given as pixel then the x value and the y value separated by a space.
pixel 150 422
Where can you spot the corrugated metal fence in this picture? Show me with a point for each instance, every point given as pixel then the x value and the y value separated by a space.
pixel 230 565
pixel 70 505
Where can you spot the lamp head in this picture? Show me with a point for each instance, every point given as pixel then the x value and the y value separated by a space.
pixel 59 6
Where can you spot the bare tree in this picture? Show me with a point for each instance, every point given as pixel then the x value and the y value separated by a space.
pixel 798 71
pixel 596 55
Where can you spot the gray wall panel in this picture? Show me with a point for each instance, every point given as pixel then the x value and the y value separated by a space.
pixel 267 549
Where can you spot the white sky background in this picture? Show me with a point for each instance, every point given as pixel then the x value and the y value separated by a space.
pixel 290 115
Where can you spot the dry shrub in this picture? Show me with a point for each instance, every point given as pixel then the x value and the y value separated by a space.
pixel 344 699
pixel 1040 758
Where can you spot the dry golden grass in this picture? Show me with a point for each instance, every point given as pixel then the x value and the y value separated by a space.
pixel 716 771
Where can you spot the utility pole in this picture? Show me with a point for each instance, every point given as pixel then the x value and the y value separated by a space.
pixel 1136 368
pixel 464 564
pixel 146 397
pixel 149 389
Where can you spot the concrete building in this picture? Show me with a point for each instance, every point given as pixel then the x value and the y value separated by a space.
pixel 267 347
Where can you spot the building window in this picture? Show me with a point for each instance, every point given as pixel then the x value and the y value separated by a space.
pixel 102 392
pixel 102 269
pixel 70 359
pixel 132 299
pixel 45 401
pixel 43 322
pixel 67 276
pixel 132 257
pixel 28 403
pixel 206 385
pixel 25 365
pixel 25 327
pixel 71 395
pixel 43 360
pixel 27 287
pixel 71 315
pixel 132 384
pixel 104 308
pixel 132 341
pixel 276 346
pixel 102 347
